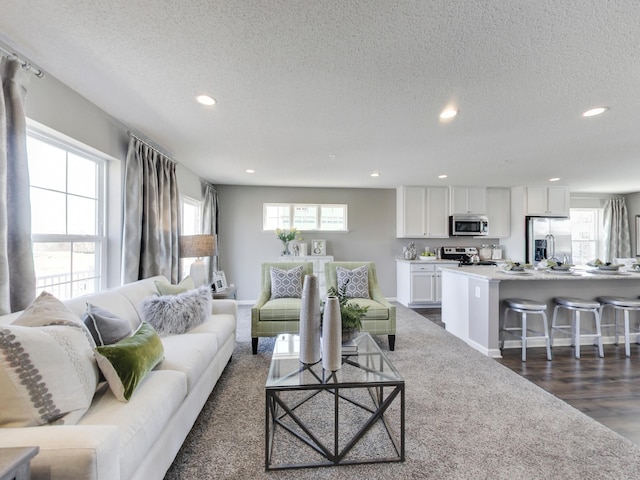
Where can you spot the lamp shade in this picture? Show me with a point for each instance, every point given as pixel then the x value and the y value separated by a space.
pixel 197 246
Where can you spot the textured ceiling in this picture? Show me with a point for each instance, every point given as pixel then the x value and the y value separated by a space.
pixel 324 92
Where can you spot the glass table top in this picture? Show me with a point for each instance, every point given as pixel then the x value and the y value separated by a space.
pixel 369 365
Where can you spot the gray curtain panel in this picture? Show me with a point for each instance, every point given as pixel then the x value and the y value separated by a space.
pixel 616 230
pixel 17 275
pixel 151 215
pixel 210 221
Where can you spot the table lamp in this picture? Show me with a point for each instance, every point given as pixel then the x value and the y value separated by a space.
pixel 198 246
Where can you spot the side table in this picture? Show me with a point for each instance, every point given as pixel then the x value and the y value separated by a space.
pixel 15 462
pixel 230 292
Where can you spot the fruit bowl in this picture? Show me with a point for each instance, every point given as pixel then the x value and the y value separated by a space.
pixel 427 258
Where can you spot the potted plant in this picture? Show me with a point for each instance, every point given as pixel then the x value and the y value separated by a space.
pixel 350 312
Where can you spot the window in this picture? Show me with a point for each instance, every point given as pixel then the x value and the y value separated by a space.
pixel 307 217
pixel 191 224
pixel 586 234
pixel 67 190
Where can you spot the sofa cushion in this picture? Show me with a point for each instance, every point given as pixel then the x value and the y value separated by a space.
pixel 222 325
pixel 175 314
pixel 281 309
pixel 126 363
pixel 106 328
pixel 189 354
pixel 286 283
pixel 47 373
pixel 165 288
pixel 355 282
pixel 143 419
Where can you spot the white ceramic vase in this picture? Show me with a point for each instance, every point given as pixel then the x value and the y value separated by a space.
pixel 310 321
pixel 332 335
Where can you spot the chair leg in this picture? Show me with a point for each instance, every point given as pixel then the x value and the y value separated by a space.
pixel 392 342
pixel 545 325
pixel 254 345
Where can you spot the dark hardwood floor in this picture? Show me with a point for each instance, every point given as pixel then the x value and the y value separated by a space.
pixel 606 389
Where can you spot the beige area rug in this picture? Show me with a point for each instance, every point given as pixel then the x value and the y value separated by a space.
pixel 467 417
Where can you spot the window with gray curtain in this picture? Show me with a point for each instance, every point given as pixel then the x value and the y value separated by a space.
pixel 151 214
pixel 616 229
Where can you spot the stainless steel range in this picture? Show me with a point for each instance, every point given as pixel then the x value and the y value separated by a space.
pixel 465 255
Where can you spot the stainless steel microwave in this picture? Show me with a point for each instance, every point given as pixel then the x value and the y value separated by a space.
pixel 470 225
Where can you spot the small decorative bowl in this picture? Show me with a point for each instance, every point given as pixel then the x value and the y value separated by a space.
pixel 609 268
pixel 517 268
pixel 430 257
pixel 561 268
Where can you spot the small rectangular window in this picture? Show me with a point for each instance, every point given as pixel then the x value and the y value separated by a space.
pixel 305 217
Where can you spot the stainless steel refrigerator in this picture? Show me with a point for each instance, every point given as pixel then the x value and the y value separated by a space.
pixel 548 238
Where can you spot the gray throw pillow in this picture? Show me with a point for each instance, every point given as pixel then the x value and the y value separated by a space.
pixel 106 328
pixel 286 283
pixel 357 281
pixel 175 314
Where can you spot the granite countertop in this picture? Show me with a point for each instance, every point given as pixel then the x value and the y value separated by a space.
pixel 497 273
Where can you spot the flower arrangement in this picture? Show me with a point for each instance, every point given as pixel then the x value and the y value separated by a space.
pixel 285 236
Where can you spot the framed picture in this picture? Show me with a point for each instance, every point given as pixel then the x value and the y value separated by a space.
pixel 318 247
pixel 219 281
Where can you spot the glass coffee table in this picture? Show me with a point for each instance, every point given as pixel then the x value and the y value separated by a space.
pixel 317 418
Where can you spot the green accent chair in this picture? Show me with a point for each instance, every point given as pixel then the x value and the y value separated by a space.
pixel 281 315
pixel 380 319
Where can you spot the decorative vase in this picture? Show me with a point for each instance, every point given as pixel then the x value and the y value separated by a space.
pixel 286 248
pixel 310 321
pixel 332 335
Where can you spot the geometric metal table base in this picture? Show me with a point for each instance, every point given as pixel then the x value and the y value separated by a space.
pixel 334 415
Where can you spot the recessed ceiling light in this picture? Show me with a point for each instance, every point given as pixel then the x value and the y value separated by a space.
pixel 595 111
pixel 249 170
pixel 332 156
pixel 206 100
pixel 375 174
pixel 442 176
pixel 554 179
pixel 448 113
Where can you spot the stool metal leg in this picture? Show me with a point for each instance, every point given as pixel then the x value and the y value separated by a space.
pixel 545 325
pixel 576 331
pixel 627 346
pixel 524 336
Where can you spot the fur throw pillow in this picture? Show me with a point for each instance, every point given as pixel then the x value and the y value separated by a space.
pixel 175 314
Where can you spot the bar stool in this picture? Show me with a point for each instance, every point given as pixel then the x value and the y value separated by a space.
pixel 576 306
pixel 625 305
pixel 525 307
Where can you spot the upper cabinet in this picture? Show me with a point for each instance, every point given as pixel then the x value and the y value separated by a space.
pixel 499 212
pixel 422 212
pixel 547 201
pixel 464 200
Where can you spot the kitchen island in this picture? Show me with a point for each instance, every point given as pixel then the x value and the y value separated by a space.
pixel 472 300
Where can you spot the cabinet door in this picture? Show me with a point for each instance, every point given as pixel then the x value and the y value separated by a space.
pixel 411 212
pixel 422 287
pixel 558 201
pixel 499 212
pixel 437 212
pixel 536 201
pixel 477 200
pixel 465 200
pixel 438 287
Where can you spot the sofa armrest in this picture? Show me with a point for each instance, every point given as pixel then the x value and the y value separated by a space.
pixel 69 452
pixel 230 307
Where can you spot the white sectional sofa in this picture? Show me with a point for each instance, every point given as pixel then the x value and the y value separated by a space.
pixel 138 439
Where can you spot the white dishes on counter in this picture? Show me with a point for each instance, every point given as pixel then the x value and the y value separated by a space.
pixel 516 272
pixel 559 272
pixel 605 272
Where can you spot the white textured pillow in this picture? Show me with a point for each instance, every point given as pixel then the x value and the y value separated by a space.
pixel 286 283
pixel 175 314
pixel 48 374
pixel 356 280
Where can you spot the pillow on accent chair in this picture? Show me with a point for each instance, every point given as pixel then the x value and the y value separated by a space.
pixel 106 328
pixel 356 280
pixel 48 374
pixel 286 283
pixel 175 314
pixel 165 288
pixel 126 363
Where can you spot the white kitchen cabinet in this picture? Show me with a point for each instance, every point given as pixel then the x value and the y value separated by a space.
pixel 419 283
pixel 466 200
pixel 318 261
pixel 422 212
pixel 499 212
pixel 547 201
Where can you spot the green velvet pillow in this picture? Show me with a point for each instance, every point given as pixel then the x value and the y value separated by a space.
pixel 126 363
pixel 165 288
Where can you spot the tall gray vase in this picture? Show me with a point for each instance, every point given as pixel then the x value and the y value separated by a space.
pixel 332 335
pixel 310 321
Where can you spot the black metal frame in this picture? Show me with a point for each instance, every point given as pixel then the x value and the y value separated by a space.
pixel 276 410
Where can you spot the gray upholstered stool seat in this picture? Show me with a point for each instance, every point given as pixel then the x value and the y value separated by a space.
pixel 576 306
pixel 525 307
pixel 624 305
